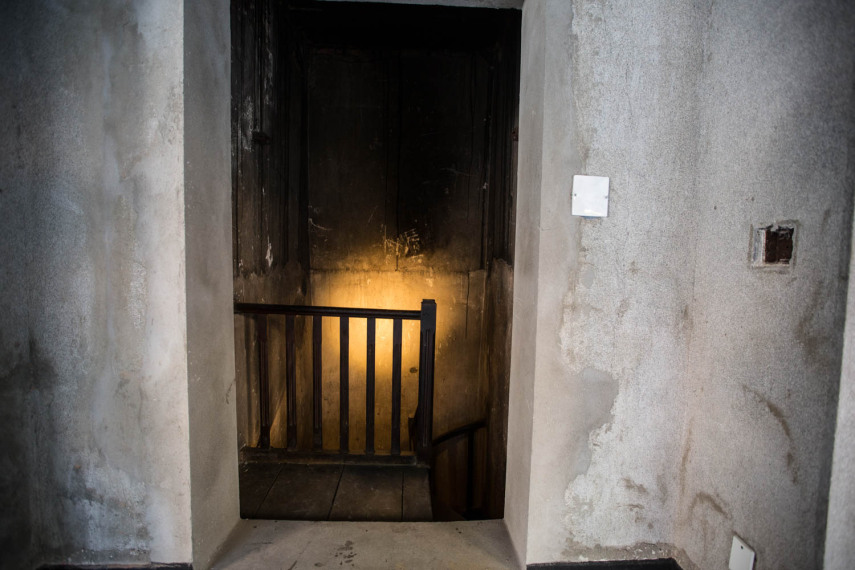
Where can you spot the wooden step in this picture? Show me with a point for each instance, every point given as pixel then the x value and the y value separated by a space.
pixel 344 492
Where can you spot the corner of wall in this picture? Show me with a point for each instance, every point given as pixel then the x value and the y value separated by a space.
pixel 839 548
pixel 524 320
pixel 210 320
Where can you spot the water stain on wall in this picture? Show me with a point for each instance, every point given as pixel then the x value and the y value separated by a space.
pixel 813 342
pixel 633 486
pixel 705 499
pixel 778 415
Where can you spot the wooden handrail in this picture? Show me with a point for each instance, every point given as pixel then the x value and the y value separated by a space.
pixel 462 430
pixel 424 424
pixel 306 310
pixel 469 431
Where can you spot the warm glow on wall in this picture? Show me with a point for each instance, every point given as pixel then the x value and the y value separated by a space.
pixel 457 344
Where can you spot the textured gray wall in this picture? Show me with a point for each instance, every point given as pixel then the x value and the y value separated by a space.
pixel 92 317
pixel 775 125
pixel 675 394
pixel 839 546
pixel 614 85
pixel 626 310
pixel 526 277
pixel 210 317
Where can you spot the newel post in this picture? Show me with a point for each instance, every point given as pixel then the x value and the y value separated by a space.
pixel 426 369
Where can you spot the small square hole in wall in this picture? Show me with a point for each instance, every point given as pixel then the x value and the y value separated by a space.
pixel 774 245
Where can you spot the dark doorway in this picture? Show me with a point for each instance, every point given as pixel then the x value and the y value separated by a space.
pixel 374 163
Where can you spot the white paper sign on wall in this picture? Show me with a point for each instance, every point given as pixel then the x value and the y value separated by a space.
pixel 590 196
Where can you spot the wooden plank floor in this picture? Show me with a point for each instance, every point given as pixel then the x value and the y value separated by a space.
pixel 287 491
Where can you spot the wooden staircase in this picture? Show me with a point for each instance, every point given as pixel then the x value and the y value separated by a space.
pixel 334 492
pixel 318 483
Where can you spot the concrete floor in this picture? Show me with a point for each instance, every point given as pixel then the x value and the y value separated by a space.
pixel 296 545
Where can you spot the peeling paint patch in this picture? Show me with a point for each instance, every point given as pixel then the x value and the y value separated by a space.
pixel 576 552
pixel 599 391
pixel 138 301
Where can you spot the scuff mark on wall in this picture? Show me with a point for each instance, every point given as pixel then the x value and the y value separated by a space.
pixel 406 244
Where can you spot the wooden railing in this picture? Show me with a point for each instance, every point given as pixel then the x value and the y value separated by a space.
pixel 468 431
pixel 424 413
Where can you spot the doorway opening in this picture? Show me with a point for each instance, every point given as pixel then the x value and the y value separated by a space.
pixel 374 161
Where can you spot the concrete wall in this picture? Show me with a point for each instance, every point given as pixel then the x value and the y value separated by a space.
pixel 610 294
pixel 675 394
pixel 93 358
pixel 526 277
pixel 626 318
pixel 210 330
pixel 839 546
pixel 116 290
pixel 776 121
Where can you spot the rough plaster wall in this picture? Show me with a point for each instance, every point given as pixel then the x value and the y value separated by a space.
pixel 551 460
pixel 210 340
pixel 626 319
pixel 601 462
pixel 526 278
pixel 708 119
pixel 776 123
pixel 93 344
pixel 839 546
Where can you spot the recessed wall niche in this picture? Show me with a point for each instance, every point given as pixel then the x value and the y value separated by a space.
pixel 374 166
pixel 773 245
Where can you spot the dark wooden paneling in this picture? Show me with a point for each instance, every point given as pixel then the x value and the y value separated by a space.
pixel 261 160
pixel 396 159
pixel 444 117
pixel 348 146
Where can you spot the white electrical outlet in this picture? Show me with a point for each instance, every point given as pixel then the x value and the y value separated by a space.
pixel 741 555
